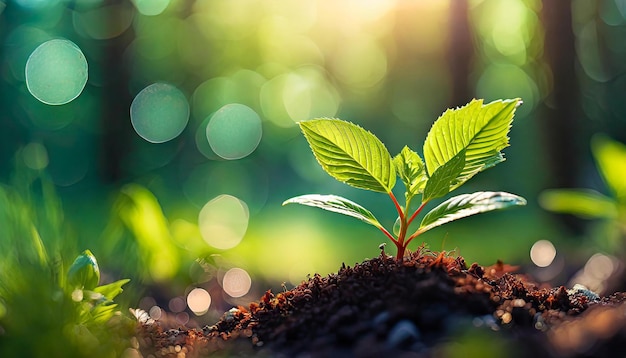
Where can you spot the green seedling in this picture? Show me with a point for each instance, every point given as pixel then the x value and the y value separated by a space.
pixel 95 302
pixel 44 294
pixel 461 143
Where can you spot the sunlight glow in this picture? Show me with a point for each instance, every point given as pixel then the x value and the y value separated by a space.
pixel 362 63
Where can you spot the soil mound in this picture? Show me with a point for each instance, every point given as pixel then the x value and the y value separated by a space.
pixel 431 304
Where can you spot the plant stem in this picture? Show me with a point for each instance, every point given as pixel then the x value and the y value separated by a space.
pixel 395 242
pixel 400 245
pixel 404 226
pixel 400 254
pixel 398 207
pixel 415 234
pixel 419 210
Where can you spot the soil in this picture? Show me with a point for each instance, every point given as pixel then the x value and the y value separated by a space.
pixel 429 305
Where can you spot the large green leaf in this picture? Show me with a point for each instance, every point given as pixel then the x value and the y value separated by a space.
pixel 465 205
pixel 350 154
pixel 480 130
pixel 411 170
pixel 336 204
pixel 580 202
pixel 611 158
pixel 444 178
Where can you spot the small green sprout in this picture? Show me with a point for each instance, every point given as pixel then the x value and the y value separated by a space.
pixel 95 302
pixel 461 143
pixel 84 272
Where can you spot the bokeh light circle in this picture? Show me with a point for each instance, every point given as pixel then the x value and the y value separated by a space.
pixel 151 7
pixel 103 22
pixel 236 282
pixel 56 72
pixel 159 113
pixel 234 131
pixel 223 221
pixel 35 156
pixel 177 304
pixel 199 301
pixel 542 253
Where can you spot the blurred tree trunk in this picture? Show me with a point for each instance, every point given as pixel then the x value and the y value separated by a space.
pixel 562 112
pixel 460 53
pixel 116 100
pixel 561 120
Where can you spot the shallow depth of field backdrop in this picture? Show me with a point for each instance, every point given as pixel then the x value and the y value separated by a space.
pixel 169 129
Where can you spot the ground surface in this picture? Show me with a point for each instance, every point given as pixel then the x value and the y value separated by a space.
pixel 430 305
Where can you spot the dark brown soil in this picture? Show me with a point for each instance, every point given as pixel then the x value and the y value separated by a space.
pixel 429 305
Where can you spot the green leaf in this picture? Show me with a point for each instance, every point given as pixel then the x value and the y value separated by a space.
pixel 465 205
pixel 443 179
pixel 397 225
pixel 84 272
pixel 580 202
pixel 480 130
pixel 411 170
pixel 350 154
pixel 102 313
pixel 135 206
pixel 111 290
pixel 611 158
pixel 336 204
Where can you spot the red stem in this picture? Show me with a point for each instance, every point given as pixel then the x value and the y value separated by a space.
pixel 395 242
pixel 404 244
pixel 400 254
pixel 415 234
pixel 398 207
pixel 419 210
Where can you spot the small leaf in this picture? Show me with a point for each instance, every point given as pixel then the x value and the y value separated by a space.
pixel 103 312
pixel 443 179
pixel 84 272
pixel 111 290
pixel 480 130
pixel 411 170
pixel 336 204
pixel 465 205
pixel 350 154
pixel 580 202
pixel 397 225
pixel 611 158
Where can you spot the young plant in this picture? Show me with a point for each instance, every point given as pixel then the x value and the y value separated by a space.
pixel 95 303
pixel 50 306
pixel 461 143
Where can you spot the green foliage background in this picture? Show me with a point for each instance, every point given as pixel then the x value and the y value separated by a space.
pixel 389 66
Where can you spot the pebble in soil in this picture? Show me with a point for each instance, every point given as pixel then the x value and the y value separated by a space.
pixel 412 308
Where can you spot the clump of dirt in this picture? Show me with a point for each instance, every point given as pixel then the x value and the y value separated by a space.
pixel 414 307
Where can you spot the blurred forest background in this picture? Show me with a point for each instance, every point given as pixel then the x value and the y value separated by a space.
pixel 179 211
